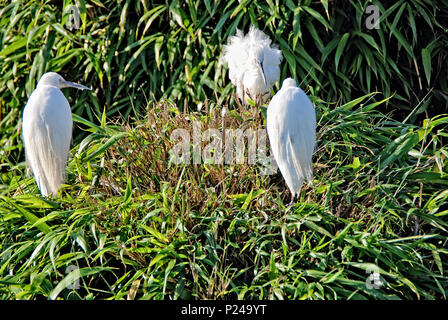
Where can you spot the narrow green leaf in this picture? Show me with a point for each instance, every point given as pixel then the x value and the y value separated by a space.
pixel 42 226
pixel 340 48
pixel 426 58
pixel 73 277
pixel 398 148
pixel 105 146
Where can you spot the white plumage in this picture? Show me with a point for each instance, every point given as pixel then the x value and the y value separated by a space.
pixel 254 66
pixel 291 126
pixel 47 131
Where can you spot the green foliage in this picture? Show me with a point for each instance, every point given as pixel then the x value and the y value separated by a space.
pixel 131 225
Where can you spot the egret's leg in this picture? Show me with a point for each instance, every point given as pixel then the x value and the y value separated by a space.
pixel 243 99
pixel 259 100
pixel 248 95
pixel 223 128
pixel 291 203
pixel 295 197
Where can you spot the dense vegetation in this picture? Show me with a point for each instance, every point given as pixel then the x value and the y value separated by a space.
pixel 131 224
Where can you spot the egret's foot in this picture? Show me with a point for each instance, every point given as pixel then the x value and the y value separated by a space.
pixel 292 202
pixel 290 205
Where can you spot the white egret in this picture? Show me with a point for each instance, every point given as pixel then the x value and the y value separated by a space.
pixel 47 131
pixel 291 126
pixel 253 64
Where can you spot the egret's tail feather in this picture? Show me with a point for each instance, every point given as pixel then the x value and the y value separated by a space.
pixel 47 167
pixel 302 169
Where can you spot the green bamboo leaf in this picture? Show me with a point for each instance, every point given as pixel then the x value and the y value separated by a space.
pixel 157 47
pixel 302 52
pixel 16 45
pixel 369 39
pixel 208 7
pixel 402 40
pixel 39 224
pixel 429 177
pixel 105 146
pixel 413 25
pixel 317 16
pixel 426 58
pixel 123 18
pixel 398 16
pixel 398 148
pixel 328 49
pixel 152 15
pixel 325 4
pixel 441 119
pixel 61 30
pixel 315 227
pixel 349 105
pixel 422 11
pixel 313 32
pixel 296 27
pixel 272 268
pixel 128 193
pixel 73 277
pixel 242 5
pixel 437 259
pixel 374 104
pixel 340 48
pixel 290 58
pixel 77 118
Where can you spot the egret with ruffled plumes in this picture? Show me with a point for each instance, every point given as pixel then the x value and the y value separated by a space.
pixel 254 65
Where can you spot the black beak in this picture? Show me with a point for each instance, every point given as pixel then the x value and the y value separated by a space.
pixel 260 67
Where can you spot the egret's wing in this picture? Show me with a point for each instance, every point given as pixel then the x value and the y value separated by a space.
pixel 279 137
pixel 47 128
pixel 301 119
pixel 292 134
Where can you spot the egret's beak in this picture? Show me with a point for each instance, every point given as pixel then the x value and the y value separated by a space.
pixel 67 84
pixel 260 68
